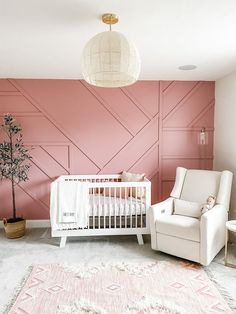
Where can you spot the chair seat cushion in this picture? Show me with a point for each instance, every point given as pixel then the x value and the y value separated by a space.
pixel 179 226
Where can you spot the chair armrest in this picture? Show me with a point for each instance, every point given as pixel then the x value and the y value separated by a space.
pixel 212 232
pixel 162 208
pixel 156 211
pixel 215 212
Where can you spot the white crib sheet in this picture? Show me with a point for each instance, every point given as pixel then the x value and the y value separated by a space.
pixel 111 206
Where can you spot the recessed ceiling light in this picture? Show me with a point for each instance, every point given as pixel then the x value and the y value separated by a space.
pixel 187 67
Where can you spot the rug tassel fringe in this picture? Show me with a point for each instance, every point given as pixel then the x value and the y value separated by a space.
pixel 225 294
pixel 17 291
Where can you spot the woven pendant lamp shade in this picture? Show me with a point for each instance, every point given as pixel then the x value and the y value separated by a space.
pixel 110 60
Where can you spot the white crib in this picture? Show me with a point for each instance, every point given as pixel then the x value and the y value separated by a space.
pixel 115 207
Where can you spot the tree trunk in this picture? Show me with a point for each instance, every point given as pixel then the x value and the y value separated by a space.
pixel 13 199
pixel 12 182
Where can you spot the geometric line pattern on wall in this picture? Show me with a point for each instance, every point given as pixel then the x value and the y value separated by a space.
pixel 145 95
pixel 135 149
pixel 167 84
pixel 186 107
pixel 190 106
pixel 205 117
pixel 7 87
pixel 175 95
pixel 47 116
pixel 48 164
pixel 81 117
pixel 15 103
pixel 149 127
pixel 147 163
pixel 112 99
pixel 60 154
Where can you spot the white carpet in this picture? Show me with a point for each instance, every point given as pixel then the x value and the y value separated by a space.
pixel 38 247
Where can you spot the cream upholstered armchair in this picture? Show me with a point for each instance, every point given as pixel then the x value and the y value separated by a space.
pixel 191 236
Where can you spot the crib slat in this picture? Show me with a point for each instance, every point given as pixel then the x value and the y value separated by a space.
pixel 115 205
pixel 99 207
pixel 110 207
pixel 93 208
pixel 141 200
pixel 120 206
pixel 104 208
pixel 136 205
pixel 125 207
pixel 88 210
pixel 131 207
pixel 147 201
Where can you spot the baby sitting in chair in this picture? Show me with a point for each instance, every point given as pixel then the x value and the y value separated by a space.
pixel 211 200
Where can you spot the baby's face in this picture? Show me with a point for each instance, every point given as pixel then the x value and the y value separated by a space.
pixel 211 201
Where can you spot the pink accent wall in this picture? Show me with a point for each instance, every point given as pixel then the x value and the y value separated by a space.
pixel 151 127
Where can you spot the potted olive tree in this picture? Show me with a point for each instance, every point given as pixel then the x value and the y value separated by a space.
pixel 14 166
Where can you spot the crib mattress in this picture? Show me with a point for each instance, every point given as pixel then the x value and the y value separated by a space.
pixel 100 205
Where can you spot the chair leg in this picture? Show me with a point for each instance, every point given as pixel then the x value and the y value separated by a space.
pixel 226 246
pixel 63 242
pixel 140 239
pixel 226 250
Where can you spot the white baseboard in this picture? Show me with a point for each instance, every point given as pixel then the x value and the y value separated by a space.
pixel 43 223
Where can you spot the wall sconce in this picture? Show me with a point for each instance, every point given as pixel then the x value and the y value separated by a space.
pixel 202 136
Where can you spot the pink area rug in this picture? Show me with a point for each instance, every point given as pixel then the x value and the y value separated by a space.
pixel 145 288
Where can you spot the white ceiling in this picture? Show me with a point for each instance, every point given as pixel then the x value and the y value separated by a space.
pixel 45 38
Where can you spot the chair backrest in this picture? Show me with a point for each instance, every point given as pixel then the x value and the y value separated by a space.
pixel 196 185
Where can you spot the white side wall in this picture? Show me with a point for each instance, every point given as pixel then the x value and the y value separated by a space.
pixel 225 131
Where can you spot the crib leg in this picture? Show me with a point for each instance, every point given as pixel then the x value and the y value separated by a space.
pixel 63 242
pixel 140 239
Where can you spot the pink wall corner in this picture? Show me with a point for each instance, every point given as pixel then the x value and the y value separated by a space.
pixel 151 127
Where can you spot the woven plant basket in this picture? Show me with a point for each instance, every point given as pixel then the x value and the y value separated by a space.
pixel 14 230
